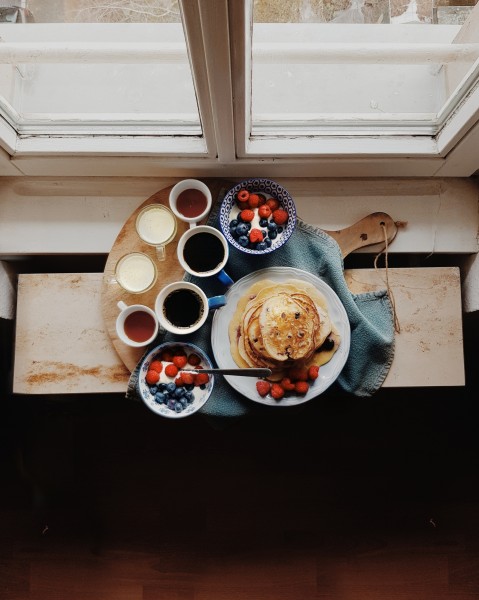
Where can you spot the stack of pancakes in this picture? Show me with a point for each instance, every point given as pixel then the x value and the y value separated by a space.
pixel 280 326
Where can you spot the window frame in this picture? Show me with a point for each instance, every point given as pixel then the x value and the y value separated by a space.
pixel 218 37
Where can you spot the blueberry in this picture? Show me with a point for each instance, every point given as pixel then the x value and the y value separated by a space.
pixel 280 229
pixel 234 222
pixel 189 387
pixel 171 387
pixel 183 401
pixel 233 231
pixel 261 246
pixel 178 407
pixel 273 235
pixel 242 229
pixel 153 389
pixel 248 225
pixel 171 404
pixel 265 233
pixel 268 242
pixel 179 392
pixel 272 226
pixel 160 398
pixel 263 222
pixel 189 397
pixel 243 240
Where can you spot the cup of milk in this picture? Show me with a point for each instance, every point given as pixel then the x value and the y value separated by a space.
pixel 135 273
pixel 156 225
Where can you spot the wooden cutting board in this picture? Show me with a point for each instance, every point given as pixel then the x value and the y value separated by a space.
pixel 370 230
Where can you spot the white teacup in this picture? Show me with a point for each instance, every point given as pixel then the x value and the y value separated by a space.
pixel 203 251
pixel 190 200
pixel 182 307
pixel 136 325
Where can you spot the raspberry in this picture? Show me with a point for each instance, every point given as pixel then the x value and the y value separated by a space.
pixel 243 205
pixel 313 372
pixel 253 201
pixel 247 215
pixel 201 378
pixel 272 203
pixel 280 216
pixel 152 377
pixel 301 387
pixel 179 381
pixel 263 387
pixel 255 235
pixel 277 391
pixel 171 370
pixel 287 384
pixel 262 199
pixel 187 378
pixel 167 355
pixel 157 366
pixel 298 374
pixel 243 195
pixel 264 212
pixel 194 359
pixel 180 361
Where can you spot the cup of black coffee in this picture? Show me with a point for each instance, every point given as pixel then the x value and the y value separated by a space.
pixel 182 307
pixel 203 251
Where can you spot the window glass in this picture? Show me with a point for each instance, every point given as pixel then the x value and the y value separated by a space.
pixel 117 94
pixel 299 86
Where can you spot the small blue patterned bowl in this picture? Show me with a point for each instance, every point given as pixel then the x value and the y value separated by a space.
pixel 158 397
pixel 230 210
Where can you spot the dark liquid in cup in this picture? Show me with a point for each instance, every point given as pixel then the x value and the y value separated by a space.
pixel 139 326
pixel 183 308
pixel 191 203
pixel 203 252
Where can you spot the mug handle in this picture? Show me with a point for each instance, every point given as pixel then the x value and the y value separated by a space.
pixel 121 305
pixel 160 252
pixel 216 302
pixel 224 278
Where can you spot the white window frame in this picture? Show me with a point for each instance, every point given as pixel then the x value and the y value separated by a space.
pixel 218 36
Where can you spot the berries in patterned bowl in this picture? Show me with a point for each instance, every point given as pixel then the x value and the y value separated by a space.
pixel 167 382
pixel 257 216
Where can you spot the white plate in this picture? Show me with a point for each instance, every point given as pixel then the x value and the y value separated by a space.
pixel 221 344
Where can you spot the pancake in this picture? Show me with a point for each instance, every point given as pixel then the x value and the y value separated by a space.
pixel 280 325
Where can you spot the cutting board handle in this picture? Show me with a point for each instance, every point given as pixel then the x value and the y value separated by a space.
pixel 373 229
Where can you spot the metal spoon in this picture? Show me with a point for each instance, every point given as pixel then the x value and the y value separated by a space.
pixel 241 372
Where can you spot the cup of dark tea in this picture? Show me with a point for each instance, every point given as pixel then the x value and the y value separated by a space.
pixel 136 325
pixel 182 307
pixel 203 251
pixel 190 200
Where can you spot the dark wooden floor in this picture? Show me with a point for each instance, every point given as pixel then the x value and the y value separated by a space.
pixel 347 500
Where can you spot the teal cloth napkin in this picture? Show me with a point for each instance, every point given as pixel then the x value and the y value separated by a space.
pixel 370 316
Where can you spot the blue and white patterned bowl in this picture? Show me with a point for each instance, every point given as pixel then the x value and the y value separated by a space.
pixel 269 188
pixel 200 394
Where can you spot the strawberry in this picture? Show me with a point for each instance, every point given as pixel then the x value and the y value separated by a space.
pixel 201 378
pixel 247 215
pixel 277 391
pixel 264 212
pixel 152 377
pixel 280 216
pixel 157 366
pixel 298 374
pixel 287 384
pixel 253 201
pixel 171 370
pixel 255 235
pixel 194 359
pixel 313 372
pixel 301 387
pixel 263 387
pixel 180 361
pixel 272 203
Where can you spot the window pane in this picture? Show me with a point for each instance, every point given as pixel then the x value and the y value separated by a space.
pixel 116 94
pixel 315 67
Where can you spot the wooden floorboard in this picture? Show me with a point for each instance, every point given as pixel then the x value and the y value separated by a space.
pixel 347 499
